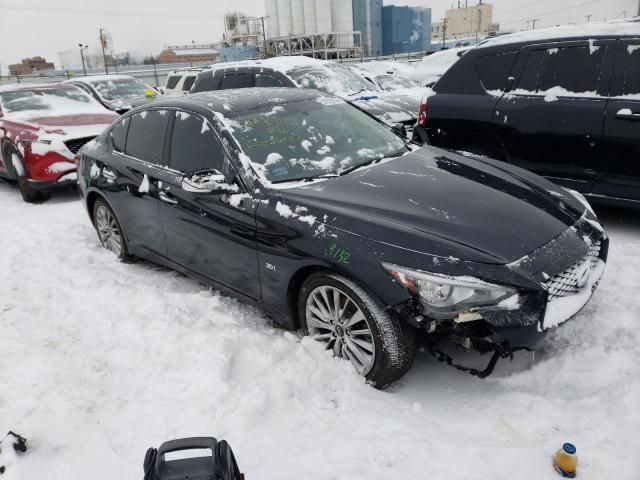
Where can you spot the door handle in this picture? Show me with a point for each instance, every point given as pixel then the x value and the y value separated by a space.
pixel 167 197
pixel 627 114
pixel 108 174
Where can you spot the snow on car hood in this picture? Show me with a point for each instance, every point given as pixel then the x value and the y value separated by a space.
pixel 429 200
pixel 75 126
pixel 391 107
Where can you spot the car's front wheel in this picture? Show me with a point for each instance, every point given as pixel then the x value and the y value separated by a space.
pixel 341 314
pixel 109 230
pixel 15 161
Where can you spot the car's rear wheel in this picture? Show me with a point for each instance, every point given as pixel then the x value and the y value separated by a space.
pixel 341 314
pixel 109 230
pixel 16 163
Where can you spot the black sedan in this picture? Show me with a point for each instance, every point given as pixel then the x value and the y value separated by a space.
pixel 334 224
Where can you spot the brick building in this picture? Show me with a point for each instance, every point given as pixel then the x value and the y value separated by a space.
pixel 188 53
pixel 29 65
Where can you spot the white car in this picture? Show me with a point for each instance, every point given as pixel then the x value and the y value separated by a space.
pixel 432 67
pixel 179 82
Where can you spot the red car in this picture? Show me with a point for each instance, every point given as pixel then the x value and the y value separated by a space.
pixel 42 127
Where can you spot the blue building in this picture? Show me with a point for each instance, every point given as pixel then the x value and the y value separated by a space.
pixel 405 29
pixel 367 18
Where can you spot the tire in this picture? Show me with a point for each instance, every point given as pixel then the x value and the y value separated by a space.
pixel 109 230
pixel 385 346
pixel 15 162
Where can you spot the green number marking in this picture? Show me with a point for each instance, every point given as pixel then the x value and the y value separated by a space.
pixel 338 254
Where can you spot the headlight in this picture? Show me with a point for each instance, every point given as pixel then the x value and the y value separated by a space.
pixel 581 198
pixel 444 296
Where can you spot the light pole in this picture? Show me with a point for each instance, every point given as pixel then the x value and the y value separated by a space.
pixel 104 55
pixel 82 48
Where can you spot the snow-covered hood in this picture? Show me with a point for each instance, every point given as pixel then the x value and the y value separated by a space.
pixel 438 202
pixel 390 107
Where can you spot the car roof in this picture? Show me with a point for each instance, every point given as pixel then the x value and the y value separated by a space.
pixel 98 78
pixel 616 29
pixel 33 86
pixel 237 100
pixel 243 66
pixel 187 71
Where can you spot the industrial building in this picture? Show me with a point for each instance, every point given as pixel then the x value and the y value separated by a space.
pixel 405 29
pixel 336 28
pixel 465 21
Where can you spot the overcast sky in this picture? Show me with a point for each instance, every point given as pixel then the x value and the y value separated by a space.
pixel 42 27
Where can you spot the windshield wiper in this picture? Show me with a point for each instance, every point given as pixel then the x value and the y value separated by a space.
pixel 399 153
pixel 306 179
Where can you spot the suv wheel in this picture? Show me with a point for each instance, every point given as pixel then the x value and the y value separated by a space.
pixel 341 314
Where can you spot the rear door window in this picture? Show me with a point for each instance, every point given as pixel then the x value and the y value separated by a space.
pixel 575 69
pixel 194 145
pixel 493 70
pixel 631 82
pixel 172 81
pixel 237 80
pixel 119 135
pixel 188 82
pixel 268 80
pixel 145 139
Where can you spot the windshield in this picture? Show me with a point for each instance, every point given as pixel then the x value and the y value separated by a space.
pixel 393 82
pixel 122 89
pixel 310 138
pixel 330 78
pixel 61 101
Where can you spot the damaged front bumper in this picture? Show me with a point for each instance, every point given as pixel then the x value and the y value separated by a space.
pixel 565 273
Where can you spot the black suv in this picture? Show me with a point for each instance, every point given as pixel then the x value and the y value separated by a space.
pixel 563 102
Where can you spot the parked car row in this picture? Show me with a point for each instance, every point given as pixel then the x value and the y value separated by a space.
pixel 289 183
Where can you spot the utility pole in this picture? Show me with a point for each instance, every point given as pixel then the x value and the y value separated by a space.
pixel 588 17
pixel 639 8
pixel 82 47
pixel 104 55
pixel 533 23
pixel 444 32
pixel 264 38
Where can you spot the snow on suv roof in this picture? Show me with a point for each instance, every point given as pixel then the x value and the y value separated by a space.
pixel 579 30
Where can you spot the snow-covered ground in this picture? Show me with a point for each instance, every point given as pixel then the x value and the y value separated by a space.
pixel 101 360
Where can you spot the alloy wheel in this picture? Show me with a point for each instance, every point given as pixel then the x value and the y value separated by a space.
pixel 334 317
pixel 108 230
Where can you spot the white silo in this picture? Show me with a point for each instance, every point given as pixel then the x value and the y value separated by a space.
pixel 297 15
pixel 323 16
pixel 271 8
pixel 285 20
pixel 342 21
pixel 309 17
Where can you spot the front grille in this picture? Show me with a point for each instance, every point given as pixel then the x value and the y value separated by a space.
pixel 568 282
pixel 75 145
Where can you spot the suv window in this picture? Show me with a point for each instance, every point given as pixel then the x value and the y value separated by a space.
pixel 632 71
pixel 172 81
pixel 147 130
pixel 557 67
pixel 194 145
pixel 237 80
pixel 188 82
pixel 119 134
pixel 267 80
pixel 493 70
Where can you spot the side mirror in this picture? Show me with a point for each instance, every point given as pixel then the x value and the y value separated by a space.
pixel 511 81
pixel 399 129
pixel 210 181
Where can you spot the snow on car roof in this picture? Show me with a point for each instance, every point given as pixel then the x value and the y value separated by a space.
pixel 31 86
pixel 99 78
pixel 591 29
pixel 290 62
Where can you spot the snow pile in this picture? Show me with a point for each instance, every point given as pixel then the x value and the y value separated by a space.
pixel 114 358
